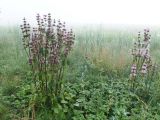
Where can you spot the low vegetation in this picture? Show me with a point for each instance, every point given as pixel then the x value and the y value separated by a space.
pixel 100 73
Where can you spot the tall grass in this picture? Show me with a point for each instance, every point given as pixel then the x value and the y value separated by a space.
pixel 110 48
pixel 12 59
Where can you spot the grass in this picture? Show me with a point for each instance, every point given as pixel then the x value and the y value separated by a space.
pixel 97 75
pixel 12 57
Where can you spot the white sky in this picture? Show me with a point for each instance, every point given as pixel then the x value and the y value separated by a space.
pixel 83 11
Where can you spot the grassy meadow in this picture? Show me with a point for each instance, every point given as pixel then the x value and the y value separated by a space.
pixel 96 78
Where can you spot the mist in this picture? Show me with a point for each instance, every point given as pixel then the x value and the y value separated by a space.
pixel 132 12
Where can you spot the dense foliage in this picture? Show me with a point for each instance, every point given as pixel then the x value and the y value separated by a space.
pixel 96 80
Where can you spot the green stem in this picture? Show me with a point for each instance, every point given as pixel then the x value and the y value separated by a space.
pixel 46 68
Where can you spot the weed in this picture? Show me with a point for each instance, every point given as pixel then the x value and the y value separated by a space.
pixel 47 47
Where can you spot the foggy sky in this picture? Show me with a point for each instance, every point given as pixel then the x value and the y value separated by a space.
pixel 83 11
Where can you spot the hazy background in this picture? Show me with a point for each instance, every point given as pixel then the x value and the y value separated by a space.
pixel 83 11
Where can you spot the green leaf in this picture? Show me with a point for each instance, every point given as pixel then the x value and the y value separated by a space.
pixel 76 104
pixel 64 102
pixel 56 110
pixel 80 100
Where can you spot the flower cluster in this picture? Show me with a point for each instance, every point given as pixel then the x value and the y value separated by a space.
pixel 144 68
pixel 48 42
pixel 141 55
pixel 141 49
pixel 133 70
pixel 47 45
pixel 26 33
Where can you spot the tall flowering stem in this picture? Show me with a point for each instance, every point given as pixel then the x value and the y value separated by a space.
pixel 47 46
pixel 142 65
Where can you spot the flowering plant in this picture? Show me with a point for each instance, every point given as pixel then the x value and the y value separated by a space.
pixel 47 46
pixel 142 65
